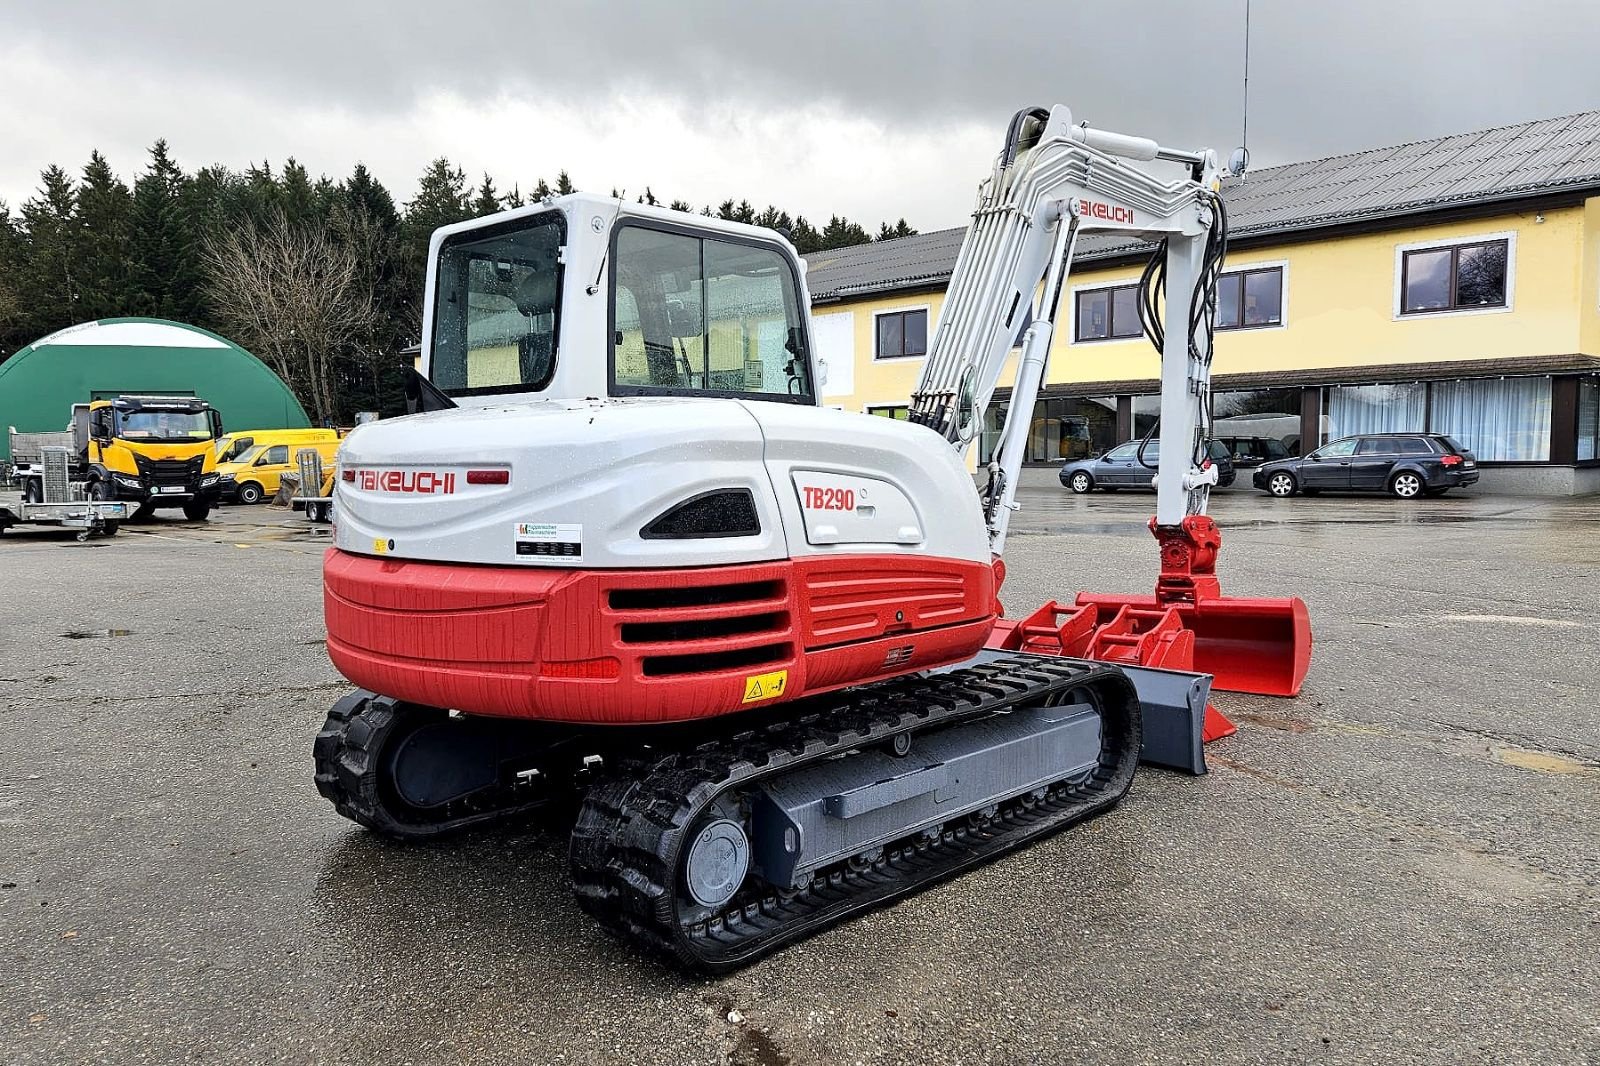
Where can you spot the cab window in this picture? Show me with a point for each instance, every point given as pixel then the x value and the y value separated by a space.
pixel 497 307
pixel 1376 446
pixel 1337 449
pixel 274 456
pixel 698 315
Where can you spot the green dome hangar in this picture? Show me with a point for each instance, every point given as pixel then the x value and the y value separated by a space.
pixel 139 356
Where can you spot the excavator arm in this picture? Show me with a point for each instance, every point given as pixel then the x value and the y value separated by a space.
pixel 1052 182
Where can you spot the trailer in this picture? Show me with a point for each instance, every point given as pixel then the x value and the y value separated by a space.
pixel 52 497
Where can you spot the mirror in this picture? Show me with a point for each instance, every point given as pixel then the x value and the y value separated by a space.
pixel 966 409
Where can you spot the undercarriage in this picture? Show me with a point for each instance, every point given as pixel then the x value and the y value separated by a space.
pixel 716 843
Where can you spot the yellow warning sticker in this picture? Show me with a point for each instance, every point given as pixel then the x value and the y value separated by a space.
pixel 765 686
pixel 379 545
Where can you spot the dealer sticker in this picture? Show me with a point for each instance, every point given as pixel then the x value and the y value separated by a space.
pixel 765 686
pixel 549 539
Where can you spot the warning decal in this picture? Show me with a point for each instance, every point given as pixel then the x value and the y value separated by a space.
pixel 765 686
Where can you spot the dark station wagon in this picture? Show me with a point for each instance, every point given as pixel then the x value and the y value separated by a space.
pixel 1406 465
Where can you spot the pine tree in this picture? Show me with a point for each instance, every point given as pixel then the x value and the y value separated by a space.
pixel 296 198
pixel 514 198
pixel 103 236
pixel 681 205
pixel 840 232
pixel 165 273
pixel 541 191
pixel 488 200
pixel 51 286
pixel 805 237
pixel 12 326
pixel 649 198
pixel 564 184
pixel 362 190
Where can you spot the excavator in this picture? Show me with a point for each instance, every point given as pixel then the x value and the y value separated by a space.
pixel 622 563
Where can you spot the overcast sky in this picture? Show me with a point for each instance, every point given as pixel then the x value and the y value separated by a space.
pixel 876 110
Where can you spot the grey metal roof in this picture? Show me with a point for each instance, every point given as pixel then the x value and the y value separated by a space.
pixel 1506 163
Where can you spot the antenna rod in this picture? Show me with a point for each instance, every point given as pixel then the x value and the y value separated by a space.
pixel 1244 134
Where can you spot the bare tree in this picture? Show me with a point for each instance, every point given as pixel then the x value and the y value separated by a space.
pixel 295 298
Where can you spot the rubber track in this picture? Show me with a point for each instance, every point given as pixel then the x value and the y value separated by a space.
pixel 349 774
pixel 626 845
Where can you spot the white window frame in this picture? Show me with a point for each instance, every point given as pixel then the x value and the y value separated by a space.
pixel 1072 313
pixel 1283 294
pixel 1400 250
pixel 876 358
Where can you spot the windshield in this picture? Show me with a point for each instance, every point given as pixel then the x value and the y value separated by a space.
pixel 497 307
pixel 164 425
pixel 233 448
pixel 693 314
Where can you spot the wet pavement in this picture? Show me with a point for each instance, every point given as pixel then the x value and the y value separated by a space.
pixel 1402 865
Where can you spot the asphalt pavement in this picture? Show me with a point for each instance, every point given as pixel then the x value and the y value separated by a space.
pixel 1401 865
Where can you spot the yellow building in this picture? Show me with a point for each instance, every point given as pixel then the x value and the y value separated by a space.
pixel 1448 286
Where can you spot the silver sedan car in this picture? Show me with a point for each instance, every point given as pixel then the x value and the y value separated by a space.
pixel 1120 467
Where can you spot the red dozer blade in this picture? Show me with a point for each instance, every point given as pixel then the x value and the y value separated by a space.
pixel 1261 646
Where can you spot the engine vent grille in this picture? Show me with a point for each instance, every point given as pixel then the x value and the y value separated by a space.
pixel 722 513
pixel 701 628
pixel 695 595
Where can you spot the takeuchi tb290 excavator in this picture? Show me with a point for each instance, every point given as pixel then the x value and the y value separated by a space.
pixel 622 558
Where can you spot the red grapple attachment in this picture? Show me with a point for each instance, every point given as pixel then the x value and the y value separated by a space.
pixel 1249 645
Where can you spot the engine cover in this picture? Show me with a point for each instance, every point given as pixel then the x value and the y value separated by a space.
pixel 642 560
pixel 577 484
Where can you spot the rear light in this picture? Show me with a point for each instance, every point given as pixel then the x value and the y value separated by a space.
pixel 1450 460
pixel 347 475
pixel 488 477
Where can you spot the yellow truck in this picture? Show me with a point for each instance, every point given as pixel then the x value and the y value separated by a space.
pixel 255 475
pixel 152 451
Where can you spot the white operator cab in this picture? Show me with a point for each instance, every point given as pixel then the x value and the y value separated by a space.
pixel 619 372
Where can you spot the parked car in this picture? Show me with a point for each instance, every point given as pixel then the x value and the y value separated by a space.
pixel 255 475
pixel 1404 464
pixel 1120 467
pixel 1253 451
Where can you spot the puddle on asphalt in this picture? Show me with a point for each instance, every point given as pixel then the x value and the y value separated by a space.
pixel 91 634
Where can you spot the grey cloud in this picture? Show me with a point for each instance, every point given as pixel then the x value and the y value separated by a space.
pixel 1326 77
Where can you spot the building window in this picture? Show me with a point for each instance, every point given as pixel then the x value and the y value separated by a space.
pixel 1257 425
pixel 1588 419
pixel 1461 277
pixel 1146 413
pixel 1107 314
pixel 1062 428
pixel 898 413
pixel 902 334
pixel 1500 420
pixel 1250 299
pixel 1351 409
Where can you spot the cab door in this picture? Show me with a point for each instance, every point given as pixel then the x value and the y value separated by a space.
pixel 1373 459
pixel 270 467
pixel 1329 466
pixel 1117 467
